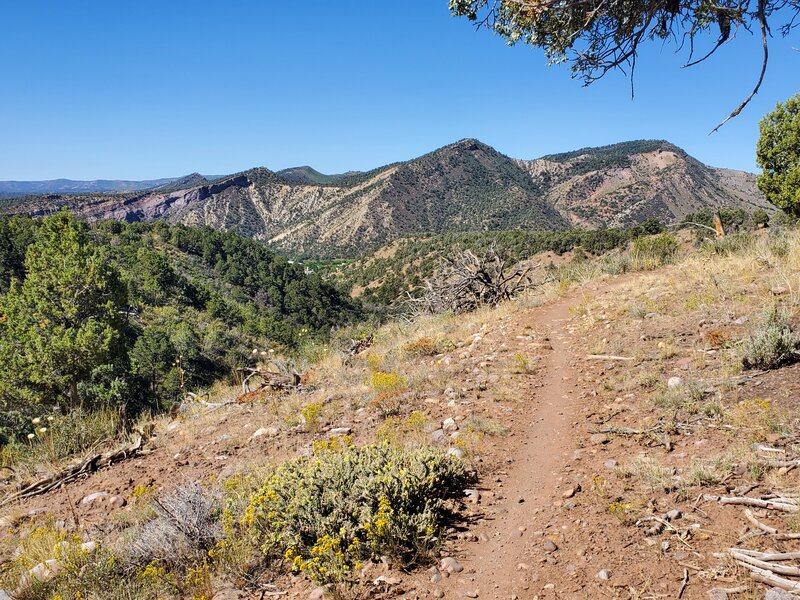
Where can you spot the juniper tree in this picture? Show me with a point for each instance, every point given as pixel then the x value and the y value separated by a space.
pixel 63 320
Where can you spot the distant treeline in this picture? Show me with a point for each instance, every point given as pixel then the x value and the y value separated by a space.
pixel 392 271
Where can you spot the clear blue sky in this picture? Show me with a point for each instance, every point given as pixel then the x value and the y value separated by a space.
pixel 151 89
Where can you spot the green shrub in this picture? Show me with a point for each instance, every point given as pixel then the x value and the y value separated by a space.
pixel 653 251
pixel 772 344
pixel 326 513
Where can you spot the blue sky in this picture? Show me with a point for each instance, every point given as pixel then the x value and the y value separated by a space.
pixel 151 89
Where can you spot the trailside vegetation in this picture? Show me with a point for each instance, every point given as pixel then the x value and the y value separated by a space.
pixel 112 314
pixel 385 276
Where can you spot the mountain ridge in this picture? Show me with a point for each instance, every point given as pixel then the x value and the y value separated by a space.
pixel 463 186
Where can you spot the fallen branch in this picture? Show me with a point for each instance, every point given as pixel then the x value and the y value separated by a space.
pixel 85 467
pixel 608 357
pixel 781 504
pixel 769 578
pixel 684 583
pixel 751 561
pixel 748 514
pixel 767 556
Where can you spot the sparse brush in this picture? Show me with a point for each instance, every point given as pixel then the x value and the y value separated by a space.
pixel 484 425
pixel 772 344
pixel 185 527
pixel 755 418
pixel 652 474
pixel 428 346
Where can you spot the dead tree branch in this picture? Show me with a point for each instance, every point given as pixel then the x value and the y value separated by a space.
pixel 466 281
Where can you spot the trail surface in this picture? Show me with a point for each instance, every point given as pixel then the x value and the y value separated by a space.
pixel 548 401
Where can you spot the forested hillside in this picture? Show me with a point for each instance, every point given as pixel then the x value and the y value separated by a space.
pixel 114 313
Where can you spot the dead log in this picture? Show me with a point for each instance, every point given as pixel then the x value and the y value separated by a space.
pixel 85 467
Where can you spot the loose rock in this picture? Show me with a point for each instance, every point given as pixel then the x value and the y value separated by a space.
pixel 450 565
pixel 95 497
pixel 449 425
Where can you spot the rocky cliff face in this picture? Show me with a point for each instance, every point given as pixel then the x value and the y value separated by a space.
pixel 462 187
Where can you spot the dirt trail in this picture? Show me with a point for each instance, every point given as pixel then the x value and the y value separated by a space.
pixel 506 564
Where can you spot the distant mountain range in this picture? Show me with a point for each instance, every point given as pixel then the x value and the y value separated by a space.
pixel 466 186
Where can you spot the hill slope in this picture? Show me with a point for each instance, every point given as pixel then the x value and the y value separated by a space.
pixel 466 186
pixel 624 184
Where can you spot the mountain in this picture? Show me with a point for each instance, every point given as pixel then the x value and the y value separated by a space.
pixel 309 175
pixel 70 186
pixel 623 184
pixel 466 186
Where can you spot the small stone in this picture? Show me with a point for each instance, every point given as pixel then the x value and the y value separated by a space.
pixel 438 593
pixel 665 546
pixel 340 431
pixel 779 290
pixel 777 594
pixel 116 502
pixel 439 437
pixel 4 595
pixel 471 594
pixel 457 452
pixel 610 464
pixel 267 431
pixel 603 575
pixel 95 497
pixel 450 565
pixel 436 578
pixel 449 425
pixel 673 515
pixel 570 492
pixel 89 547
pixel 473 495
pixel 549 546
pixel 388 580
pixel 45 571
pixel 598 438
pixel 674 382
pixel 717 594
